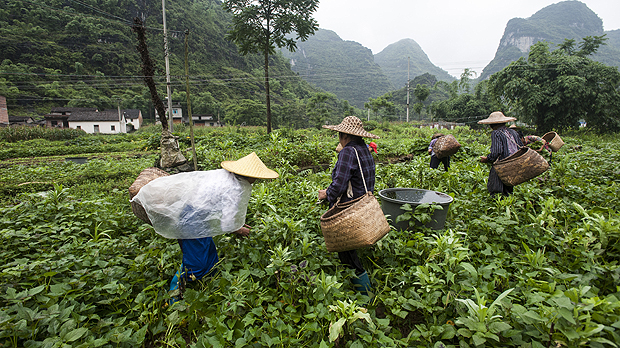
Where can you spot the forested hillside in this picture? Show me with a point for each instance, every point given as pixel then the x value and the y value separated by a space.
pixel 76 53
pixel 404 56
pixel 554 23
pixel 344 68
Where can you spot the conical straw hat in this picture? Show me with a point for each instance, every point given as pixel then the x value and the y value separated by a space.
pixel 352 125
pixel 250 166
pixel 496 117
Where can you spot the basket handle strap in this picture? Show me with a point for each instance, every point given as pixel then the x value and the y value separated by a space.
pixel 361 171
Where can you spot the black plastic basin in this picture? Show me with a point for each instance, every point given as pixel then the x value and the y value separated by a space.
pixel 394 198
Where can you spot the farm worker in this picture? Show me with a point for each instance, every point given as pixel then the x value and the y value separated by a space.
pixel 504 142
pixel 195 206
pixel 434 160
pixel 347 170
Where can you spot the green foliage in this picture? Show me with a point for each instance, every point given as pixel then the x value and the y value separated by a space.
pixel 464 107
pixel 319 110
pixel 555 23
pixel 382 108
pixel 262 26
pixel 555 90
pixel 19 133
pixel 404 59
pixel 83 55
pixel 539 268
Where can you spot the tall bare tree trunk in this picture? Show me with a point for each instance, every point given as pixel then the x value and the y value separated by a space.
pixel 171 155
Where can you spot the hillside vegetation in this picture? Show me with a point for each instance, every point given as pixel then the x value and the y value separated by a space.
pixel 406 57
pixel 83 54
pixel 554 23
pixel 344 68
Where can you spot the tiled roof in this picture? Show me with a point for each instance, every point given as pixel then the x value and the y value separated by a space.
pixel 131 113
pixel 20 119
pixel 58 109
pixel 106 115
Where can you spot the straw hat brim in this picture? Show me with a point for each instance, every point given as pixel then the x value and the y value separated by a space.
pixel 496 117
pixel 250 166
pixel 352 125
pixel 352 131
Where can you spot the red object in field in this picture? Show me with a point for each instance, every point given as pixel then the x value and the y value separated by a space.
pixel 373 146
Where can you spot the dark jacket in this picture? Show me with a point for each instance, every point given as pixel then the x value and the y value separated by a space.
pixel 347 169
pixel 500 150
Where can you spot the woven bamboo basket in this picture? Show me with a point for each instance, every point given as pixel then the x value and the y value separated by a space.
pixel 144 178
pixel 355 224
pixel 554 141
pixel 445 146
pixel 520 167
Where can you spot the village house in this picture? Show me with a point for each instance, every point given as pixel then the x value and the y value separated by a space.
pixel 22 121
pixel 106 121
pixel 92 120
pixel 177 113
pixel 205 121
pixel 134 119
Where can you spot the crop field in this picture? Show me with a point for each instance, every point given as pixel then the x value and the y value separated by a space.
pixel 537 269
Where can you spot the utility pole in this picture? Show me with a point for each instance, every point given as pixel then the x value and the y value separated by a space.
pixel 407 89
pixel 168 86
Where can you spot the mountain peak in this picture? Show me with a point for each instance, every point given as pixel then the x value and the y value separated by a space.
pixel 406 57
pixel 554 23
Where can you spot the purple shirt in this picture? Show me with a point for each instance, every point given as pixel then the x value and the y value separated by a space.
pixel 430 146
pixel 347 169
pixel 501 146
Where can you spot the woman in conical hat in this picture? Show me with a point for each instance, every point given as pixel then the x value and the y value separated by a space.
pixel 200 254
pixel 504 142
pixel 347 170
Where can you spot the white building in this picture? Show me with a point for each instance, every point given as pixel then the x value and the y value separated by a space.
pixel 105 122
pixel 133 118
pixel 93 121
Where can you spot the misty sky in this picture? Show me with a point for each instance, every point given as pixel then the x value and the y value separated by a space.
pixel 455 34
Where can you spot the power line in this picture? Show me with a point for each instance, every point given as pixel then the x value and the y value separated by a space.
pixel 119 20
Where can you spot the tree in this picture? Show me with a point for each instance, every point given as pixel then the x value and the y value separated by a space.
pixel 381 103
pixel 464 107
pixel 261 25
pixel 245 112
pixel 421 92
pixel 464 82
pixel 318 108
pixel 555 90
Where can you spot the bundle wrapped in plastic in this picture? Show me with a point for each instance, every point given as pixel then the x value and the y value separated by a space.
pixel 196 204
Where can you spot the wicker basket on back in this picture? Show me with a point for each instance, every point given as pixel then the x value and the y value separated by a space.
pixel 445 146
pixel 520 167
pixel 554 141
pixel 354 224
pixel 144 178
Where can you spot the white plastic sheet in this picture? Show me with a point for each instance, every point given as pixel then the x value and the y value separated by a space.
pixel 196 204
